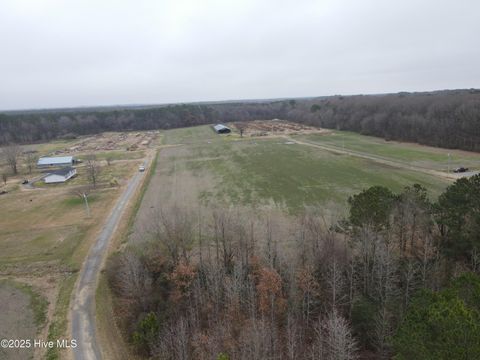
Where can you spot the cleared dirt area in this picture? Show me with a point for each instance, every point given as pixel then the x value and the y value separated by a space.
pixel 125 141
pixel 16 321
pixel 275 127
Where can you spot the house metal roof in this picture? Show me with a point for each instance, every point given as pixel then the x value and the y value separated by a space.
pixel 219 127
pixel 61 172
pixel 55 160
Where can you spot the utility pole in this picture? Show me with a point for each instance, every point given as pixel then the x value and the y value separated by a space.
pixel 86 204
pixel 448 168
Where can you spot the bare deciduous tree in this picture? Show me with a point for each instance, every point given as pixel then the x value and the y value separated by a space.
pixel 292 338
pixel 336 282
pixel 109 159
pixel 174 341
pixel 429 257
pixel 409 280
pixel 4 178
pixel 241 126
pixel 334 340
pixel 475 260
pixel 173 229
pixel 30 160
pixel 386 291
pixel 259 340
pixel 93 169
pixel 11 153
pixel 309 288
pixel 132 282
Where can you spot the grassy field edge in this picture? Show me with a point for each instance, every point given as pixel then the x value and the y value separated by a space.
pixel 58 326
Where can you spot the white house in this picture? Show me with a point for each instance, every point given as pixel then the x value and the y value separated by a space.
pixel 60 175
pixel 55 161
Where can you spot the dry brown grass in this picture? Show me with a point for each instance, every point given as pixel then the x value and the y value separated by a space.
pixel 45 233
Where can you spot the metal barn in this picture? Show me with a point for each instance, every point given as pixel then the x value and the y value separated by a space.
pixel 221 129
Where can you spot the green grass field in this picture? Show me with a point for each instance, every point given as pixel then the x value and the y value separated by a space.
pixel 268 171
pixel 422 156
pixel 33 232
pixel 202 134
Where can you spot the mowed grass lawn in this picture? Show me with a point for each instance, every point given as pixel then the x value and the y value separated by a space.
pixel 423 156
pixel 47 226
pixel 43 227
pixel 269 171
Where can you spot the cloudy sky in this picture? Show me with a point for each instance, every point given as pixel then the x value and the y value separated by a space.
pixel 62 53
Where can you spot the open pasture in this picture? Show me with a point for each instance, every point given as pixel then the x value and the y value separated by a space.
pixel 265 172
pixel 413 154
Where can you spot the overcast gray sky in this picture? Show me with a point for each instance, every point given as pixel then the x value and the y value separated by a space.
pixel 61 53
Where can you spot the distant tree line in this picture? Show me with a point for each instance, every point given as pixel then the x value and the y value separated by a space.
pixel 449 119
pixel 44 126
pixel 397 278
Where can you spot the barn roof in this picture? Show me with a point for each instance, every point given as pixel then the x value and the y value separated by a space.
pixel 55 160
pixel 61 172
pixel 219 127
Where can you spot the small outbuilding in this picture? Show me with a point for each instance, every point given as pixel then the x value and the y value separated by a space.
pixel 60 175
pixel 57 161
pixel 221 129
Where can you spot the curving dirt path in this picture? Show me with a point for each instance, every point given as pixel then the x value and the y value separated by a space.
pixel 380 160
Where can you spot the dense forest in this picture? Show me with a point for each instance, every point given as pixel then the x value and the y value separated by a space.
pixel 449 119
pixel 396 278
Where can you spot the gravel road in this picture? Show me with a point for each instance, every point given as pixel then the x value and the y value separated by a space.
pixel 82 314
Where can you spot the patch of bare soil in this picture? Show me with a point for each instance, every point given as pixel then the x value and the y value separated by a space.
pixel 276 127
pixel 129 141
pixel 46 286
pixel 16 321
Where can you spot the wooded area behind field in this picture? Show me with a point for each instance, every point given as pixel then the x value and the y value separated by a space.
pixel 449 119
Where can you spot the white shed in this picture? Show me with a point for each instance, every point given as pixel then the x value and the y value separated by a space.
pixel 61 175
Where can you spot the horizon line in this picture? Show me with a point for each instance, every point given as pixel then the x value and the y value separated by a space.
pixel 152 105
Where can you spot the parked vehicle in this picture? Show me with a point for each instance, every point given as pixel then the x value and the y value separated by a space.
pixel 141 168
pixel 460 170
